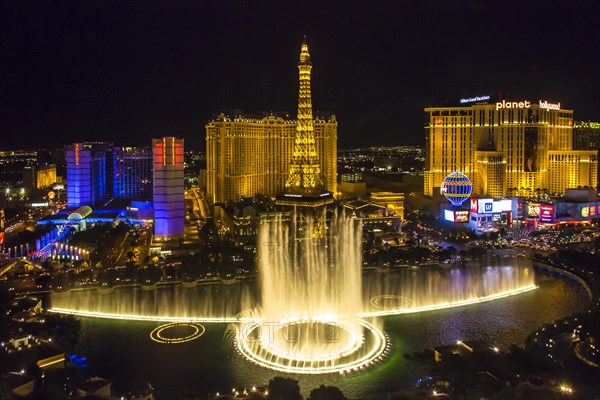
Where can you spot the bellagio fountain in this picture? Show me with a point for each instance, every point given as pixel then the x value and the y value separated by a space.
pixel 313 309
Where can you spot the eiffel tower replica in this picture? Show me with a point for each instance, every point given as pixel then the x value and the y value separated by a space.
pixel 304 187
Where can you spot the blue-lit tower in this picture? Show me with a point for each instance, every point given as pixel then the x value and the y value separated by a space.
pixel 87 173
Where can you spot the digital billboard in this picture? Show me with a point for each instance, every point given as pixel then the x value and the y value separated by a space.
pixel 461 216
pixel 533 209
pixel 502 205
pixel 592 211
pixel 585 212
pixel 449 215
pixel 546 213
pixel 531 149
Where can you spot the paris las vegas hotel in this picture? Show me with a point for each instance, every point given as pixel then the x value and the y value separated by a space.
pixel 507 148
pixel 251 154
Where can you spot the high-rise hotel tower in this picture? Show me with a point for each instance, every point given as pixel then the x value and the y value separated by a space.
pixel 89 173
pixel 168 188
pixel 506 148
pixel 250 155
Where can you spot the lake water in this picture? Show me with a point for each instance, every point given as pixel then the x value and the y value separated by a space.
pixel 123 352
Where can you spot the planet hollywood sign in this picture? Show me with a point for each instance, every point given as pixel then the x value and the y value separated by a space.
pixel 526 104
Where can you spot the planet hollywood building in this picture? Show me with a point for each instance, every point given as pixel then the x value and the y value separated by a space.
pixel 506 147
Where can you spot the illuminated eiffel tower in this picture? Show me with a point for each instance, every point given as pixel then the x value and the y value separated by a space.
pixel 304 186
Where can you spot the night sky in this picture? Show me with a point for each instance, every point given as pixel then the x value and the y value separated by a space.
pixel 128 71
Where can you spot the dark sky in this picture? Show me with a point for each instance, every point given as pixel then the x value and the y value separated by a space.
pixel 127 71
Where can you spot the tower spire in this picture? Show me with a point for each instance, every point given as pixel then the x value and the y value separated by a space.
pixel 305 170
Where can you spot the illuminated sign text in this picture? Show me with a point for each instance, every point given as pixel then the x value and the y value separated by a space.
pixel 472 99
pixel 473 205
pixel 513 104
pixel 485 206
pixel 546 213
pixel 549 106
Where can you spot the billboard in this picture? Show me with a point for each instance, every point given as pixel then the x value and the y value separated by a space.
pixel 461 216
pixel 533 209
pixel 502 205
pixel 592 211
pixel 474 208
pixel 546 213
pixel 585 212
pixel 449 215
pixel 485 206
pixel 531 150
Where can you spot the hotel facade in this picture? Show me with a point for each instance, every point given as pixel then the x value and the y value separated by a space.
pixel 87 173
pixel 273 154
pixel 168 188
pixel 506 148
pixel 249 155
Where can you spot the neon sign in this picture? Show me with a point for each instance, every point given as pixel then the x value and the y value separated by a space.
pixel 173 151
pixel 513 104
pixel 76 153
pixel 546 213
pixel 461 216
pixel 473 205
pixel 585 211
pixel 549 106
pixel 476 98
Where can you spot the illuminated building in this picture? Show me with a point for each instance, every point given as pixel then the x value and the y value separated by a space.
pixel 304 169
pixel 45 176
pixel 576 207
pixel 249 155
pixel 168 188
pixel 133 173
pixel 485 214
pixel 506 147
pixel 393 202
pixel 86 174
pixel 305 187
pixel 586 136
pixel 39 177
